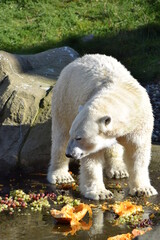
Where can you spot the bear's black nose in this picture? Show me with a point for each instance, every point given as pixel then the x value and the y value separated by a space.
pixel 68 155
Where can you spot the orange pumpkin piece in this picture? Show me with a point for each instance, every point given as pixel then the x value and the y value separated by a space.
pixel 81 226
pixel 127 236
pixel 137 232
pixel 81 210
pixel 92 205
pixel 71 215
pixel 104 208
pixel 63 216
pixel 126 208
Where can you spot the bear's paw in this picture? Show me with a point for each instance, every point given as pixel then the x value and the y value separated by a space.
pixel 143 191
pixel 59 177
pixel 99 194
pixel 117 173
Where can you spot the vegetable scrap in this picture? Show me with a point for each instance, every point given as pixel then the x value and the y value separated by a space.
pixel 92 205
pixel 155 207
pixel 126 208
pixel 114 186
pixel 131 220
pixel 145 223
pixel 67 186
pixel 137 232
pixel 130 236
pixel 103 206
pixel 128 213
pixel 64 199
pixel 126 236
pixel 73 216
pixel 18 199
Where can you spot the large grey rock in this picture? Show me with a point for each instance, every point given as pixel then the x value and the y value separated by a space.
pixel 26 83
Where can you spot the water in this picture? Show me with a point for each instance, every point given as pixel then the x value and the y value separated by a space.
pixel 28 225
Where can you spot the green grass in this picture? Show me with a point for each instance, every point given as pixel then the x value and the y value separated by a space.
pixel 126 29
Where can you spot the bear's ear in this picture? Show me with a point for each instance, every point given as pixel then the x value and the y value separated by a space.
pixel 105 123
pixel 80 108
pixel 107 120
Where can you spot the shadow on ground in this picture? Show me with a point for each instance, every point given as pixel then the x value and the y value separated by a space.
pixel 138 50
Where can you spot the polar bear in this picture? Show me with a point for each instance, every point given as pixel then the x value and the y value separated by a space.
pixel 98 109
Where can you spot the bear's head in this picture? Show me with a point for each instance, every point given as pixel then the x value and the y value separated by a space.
pixel 89 133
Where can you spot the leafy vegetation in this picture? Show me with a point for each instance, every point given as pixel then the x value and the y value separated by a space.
pixel 126 29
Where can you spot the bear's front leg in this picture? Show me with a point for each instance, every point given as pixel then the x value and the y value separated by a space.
pixel 137 157
pixel 91 178
pixel 58 169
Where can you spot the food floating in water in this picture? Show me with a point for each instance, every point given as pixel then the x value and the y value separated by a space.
pixel 126 208
pixel 130 236
pixel 73 216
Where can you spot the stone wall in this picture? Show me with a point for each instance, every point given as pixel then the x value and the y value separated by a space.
pixel 26 83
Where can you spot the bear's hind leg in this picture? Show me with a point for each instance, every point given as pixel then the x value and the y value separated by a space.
pixel 58 169
pixel 114 164
pixel 137 157
pixel 91 178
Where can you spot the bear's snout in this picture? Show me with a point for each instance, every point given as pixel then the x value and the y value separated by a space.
pixel 68 155
pixel 74 151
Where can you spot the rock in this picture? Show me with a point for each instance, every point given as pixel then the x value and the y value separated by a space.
pixel 35 156
pixel 26 83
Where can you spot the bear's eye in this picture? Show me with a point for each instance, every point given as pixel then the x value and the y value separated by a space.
pixel 78 138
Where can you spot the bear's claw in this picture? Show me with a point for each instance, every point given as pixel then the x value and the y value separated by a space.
pixel 114 173
pixel 59 177
pixel 99 195
pixel 143 191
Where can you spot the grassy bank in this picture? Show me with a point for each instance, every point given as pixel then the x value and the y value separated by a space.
pixel 126 29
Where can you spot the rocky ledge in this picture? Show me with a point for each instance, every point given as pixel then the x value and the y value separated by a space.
pixel 26 83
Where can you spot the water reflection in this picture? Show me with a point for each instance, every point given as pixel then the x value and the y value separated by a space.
pixel 98 221
pixel 21 226
pixel 71 230
pixel 29 225
pixel 95 227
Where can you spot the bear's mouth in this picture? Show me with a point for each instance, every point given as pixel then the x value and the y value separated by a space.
pixel 75 155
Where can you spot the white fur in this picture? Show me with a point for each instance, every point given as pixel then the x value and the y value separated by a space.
pixel 115 166
pixel 115 109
